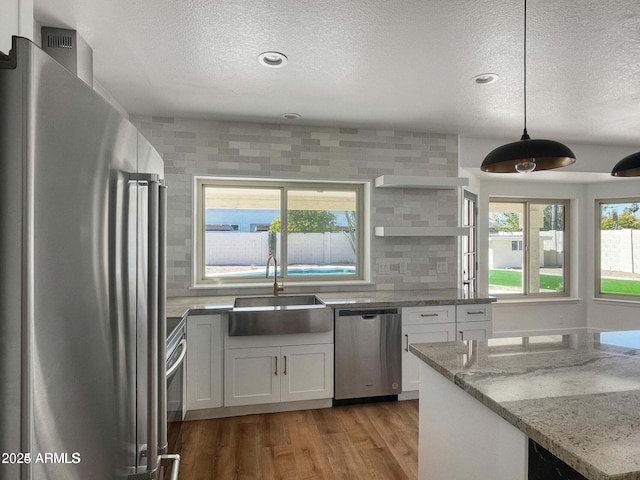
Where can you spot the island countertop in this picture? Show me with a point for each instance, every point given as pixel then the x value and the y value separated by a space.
pixel 195 305
pixel 578 397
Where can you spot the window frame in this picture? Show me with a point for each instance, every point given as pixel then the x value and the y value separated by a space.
pixel 597 267
pixel 362 191
pixel 526 202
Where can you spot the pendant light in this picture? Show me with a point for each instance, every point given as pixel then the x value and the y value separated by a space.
pixel 627 167
pixel 527 155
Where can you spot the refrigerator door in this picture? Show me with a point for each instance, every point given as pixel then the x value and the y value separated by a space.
pixel 70 285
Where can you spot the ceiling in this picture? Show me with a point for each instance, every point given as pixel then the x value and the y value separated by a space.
pixel 403 64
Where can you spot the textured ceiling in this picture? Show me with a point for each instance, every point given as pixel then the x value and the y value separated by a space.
pixel 404 64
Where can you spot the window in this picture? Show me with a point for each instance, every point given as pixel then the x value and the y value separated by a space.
pixel 528 246
pixel 500 347
pixel 315 231
pixel 618 248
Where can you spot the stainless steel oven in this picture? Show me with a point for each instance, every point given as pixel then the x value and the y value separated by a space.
pixel 176 382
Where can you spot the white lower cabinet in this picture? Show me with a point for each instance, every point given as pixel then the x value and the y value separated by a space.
pixel 278 374
pixel 473 330
pixel 205 353
pixel 473 322
pixel 251 376
pixel 439 323
pixel 428 333
pixel 307 372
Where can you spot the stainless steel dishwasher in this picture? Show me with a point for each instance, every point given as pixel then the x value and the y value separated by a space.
pixel 367 353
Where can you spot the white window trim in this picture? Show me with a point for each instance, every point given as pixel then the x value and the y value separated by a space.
pixel 197 279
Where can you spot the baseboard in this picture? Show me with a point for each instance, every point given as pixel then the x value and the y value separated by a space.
pixel 412 395
pixel 223 412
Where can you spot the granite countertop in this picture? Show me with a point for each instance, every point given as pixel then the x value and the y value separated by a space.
pixel 181 306
pixel 578 398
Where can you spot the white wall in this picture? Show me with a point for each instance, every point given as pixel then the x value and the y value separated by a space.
pixel 16 18
pixel 594 181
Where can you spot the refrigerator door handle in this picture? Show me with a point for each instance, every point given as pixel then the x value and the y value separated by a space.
pixel 175 459
pixel 153 350
pixel 163 441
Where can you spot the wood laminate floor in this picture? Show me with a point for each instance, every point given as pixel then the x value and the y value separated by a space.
pixel 371 441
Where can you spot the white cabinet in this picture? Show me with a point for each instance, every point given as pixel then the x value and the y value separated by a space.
pixel 438 332
pixel 473 312
pixel 205 354
pixel 251 376
pixel 428 314
pixel 473 330
pixel 278 374
pixel 473 322
pixel 439 323
pixel 423 325
pixel 307 372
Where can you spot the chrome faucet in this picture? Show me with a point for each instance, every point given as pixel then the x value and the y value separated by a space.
pixel 276 288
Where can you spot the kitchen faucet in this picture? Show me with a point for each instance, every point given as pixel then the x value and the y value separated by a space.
pixel 276 287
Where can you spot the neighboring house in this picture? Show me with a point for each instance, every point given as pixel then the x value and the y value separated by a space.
pixel 505 250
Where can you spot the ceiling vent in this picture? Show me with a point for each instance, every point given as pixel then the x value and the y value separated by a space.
pixel 69 49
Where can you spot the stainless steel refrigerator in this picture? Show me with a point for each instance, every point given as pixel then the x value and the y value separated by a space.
pixel 82 330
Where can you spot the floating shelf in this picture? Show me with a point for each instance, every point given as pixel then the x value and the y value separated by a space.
pixel 403 181
pixel 421 231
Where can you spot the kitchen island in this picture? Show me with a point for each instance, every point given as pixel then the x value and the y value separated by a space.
pixel 491 410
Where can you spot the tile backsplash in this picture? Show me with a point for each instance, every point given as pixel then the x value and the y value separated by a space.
pixel 192 147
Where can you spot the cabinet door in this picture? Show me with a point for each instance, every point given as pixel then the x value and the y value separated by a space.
pixel 204 361
pixel 474 330
pixel 443 332
pixel 251 376
pixel 307 372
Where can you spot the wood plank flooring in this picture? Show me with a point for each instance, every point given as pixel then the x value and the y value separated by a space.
pixel 371 441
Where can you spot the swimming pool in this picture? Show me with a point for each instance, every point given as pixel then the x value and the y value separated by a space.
pixel 297 271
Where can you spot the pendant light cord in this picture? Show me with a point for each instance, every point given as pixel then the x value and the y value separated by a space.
pixel 525 134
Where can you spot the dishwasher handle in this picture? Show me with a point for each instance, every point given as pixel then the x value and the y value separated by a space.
pixel 368 313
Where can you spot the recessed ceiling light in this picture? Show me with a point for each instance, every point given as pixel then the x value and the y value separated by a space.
pixel 291 116
pixel 272 59
pixel 486 78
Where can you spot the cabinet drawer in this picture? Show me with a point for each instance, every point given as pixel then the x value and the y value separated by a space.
pixel 479 312
pixel 426 315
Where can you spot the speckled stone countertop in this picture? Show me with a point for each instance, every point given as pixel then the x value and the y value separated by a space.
pixel 180 306
pixel 579 399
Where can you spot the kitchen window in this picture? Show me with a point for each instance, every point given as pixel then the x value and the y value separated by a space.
pixel 617 267
pixel 528 247
pixel 315 230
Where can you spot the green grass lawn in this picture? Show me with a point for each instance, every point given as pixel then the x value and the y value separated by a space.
pixel 624 287
pixel 513 278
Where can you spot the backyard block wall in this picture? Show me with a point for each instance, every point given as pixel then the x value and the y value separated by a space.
pixel 242 149
pixel 620 250
pixel 231 248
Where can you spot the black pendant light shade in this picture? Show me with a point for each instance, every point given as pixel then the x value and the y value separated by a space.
pixel 628 166
pixel 526 155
